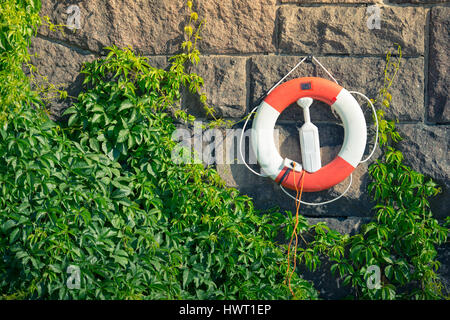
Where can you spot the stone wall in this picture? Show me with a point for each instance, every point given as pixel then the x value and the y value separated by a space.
pixel 247 45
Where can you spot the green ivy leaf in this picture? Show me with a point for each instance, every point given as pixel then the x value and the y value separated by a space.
pixel 125 105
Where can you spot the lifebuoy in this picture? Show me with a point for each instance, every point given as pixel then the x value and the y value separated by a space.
pixel 281 170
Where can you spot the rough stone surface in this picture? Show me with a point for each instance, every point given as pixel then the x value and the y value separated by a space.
pixel 439 80
pixel 225 87
pixel 61 65
pixel 355 74
pixel 420 1
pixel 350 225
pixel 444 271
pixel 156 27
pixel 426 150
pixel 329 285
pixel 342 30
pixel 238 26
pixel 329 1
pixel 150 27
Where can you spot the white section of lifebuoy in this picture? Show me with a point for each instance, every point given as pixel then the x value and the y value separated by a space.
pixel 355 130
pixel 352 150
pixel 263 143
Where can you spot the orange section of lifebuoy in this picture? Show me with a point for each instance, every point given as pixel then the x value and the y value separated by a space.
pixel 322 90
pixel 328 176
pixel 317 88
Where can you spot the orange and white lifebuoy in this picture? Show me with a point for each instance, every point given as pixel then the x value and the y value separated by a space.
pixel 281 170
